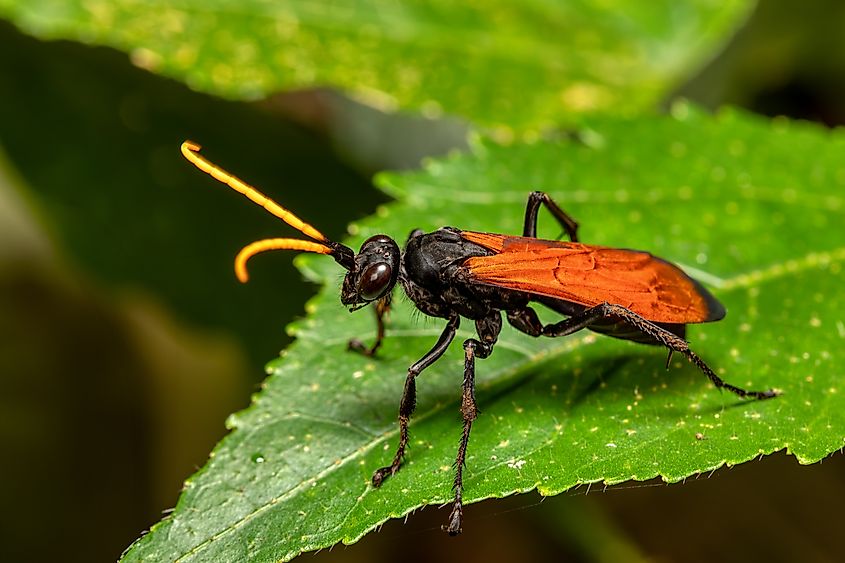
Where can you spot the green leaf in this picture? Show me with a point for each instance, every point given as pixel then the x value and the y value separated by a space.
pixel 522 64
pixel 753 208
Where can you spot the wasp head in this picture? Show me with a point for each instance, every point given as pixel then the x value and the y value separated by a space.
pixel 373 273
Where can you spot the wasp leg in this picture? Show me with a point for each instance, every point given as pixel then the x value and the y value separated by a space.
pixel 409 397
pixel 488 330
pixel 534 200
pixel 382 309
pixel 526 320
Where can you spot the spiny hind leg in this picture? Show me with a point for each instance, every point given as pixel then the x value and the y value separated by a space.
pixel 526 320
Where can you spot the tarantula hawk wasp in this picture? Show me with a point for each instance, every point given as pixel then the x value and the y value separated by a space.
pixel 453 274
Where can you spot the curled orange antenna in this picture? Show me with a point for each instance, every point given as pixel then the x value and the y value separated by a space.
pixel 343 255
pixel 190 150
pixel 259 246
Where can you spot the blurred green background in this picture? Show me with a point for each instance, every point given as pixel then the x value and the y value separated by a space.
pixel 125 340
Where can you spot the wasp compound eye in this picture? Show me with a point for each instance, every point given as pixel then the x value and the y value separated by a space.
pixel 374 280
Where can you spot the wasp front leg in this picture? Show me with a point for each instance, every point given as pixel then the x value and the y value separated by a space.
pixel 382 309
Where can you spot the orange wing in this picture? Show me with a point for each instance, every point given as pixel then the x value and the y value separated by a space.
pixel 588 275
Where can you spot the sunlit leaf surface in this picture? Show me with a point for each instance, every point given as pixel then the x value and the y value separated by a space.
pixel 752 208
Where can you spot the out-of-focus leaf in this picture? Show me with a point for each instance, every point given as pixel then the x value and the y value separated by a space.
pixel 520 64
